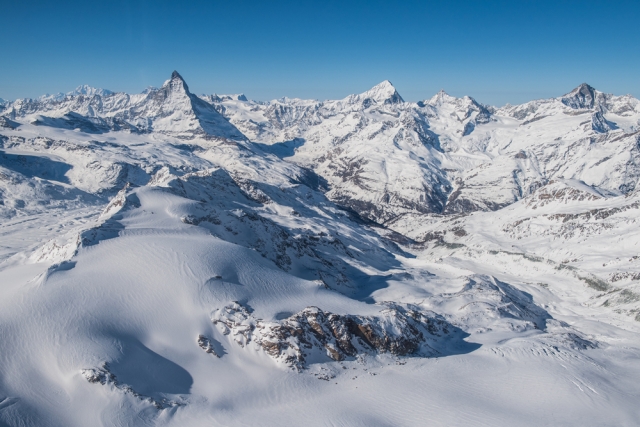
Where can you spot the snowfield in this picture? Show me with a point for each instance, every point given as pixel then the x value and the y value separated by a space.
pixel 168 259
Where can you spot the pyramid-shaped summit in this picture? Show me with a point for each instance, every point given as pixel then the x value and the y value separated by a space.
pixel 382 93
pixel 176 83
pixel 176 111
pixel 177 80
pixel 440 98
pixel 583 96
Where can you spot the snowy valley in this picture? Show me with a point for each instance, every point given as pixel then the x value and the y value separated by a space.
pixel 174 259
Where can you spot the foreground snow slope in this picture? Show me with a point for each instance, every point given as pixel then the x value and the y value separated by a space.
pixel 140 300
pixel 177 273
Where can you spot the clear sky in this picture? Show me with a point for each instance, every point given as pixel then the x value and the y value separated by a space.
pixel 496 51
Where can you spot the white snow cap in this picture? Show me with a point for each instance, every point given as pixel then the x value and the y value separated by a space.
pixel 383 92
pixel 583 96
pixel 440 98
pixel 176 82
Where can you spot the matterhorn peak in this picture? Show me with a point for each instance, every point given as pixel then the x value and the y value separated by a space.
pixel 176 75
pixel 384 92
pixel 176 111
pixel 176 83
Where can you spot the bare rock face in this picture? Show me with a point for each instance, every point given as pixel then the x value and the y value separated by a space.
pixel 7 123
pixel 557 191
pixel 582 97
pixel 313 335
pixel 205 344
pixel 103 375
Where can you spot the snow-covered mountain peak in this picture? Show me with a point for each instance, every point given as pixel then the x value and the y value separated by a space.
pixel 582 97
pixel 460 115
pixel 440 98
pixel 176 110
pixel 383 92
pixel 56 97
pixel 172 109
pixel 173 95
pixel 149 89
pixel 176 83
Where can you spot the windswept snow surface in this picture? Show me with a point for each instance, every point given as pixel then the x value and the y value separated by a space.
pixel 172 260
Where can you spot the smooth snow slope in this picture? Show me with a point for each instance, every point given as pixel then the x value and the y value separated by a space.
pixel 140 300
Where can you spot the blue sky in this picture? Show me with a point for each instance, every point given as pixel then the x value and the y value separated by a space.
pixel 495 51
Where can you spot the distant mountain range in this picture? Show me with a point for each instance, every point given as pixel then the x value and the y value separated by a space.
pixel 381 156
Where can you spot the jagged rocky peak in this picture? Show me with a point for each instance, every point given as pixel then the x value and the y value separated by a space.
pixel 584 96
pixel 233 97
pixel 7 123
pixel 466 109
pixel 442 98
pixel 176 82
pixel 313 334
pixel 384 93
pixel 175 88
pixel 221 98
pixel 174 109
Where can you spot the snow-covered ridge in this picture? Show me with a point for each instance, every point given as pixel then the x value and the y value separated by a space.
pixel 172 109
pixel 380 156
pixel 477 157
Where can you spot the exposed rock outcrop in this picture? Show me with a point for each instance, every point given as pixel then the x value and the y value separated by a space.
pixel 313 335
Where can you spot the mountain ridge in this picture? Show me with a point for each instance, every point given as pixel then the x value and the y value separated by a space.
pixel 443 125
